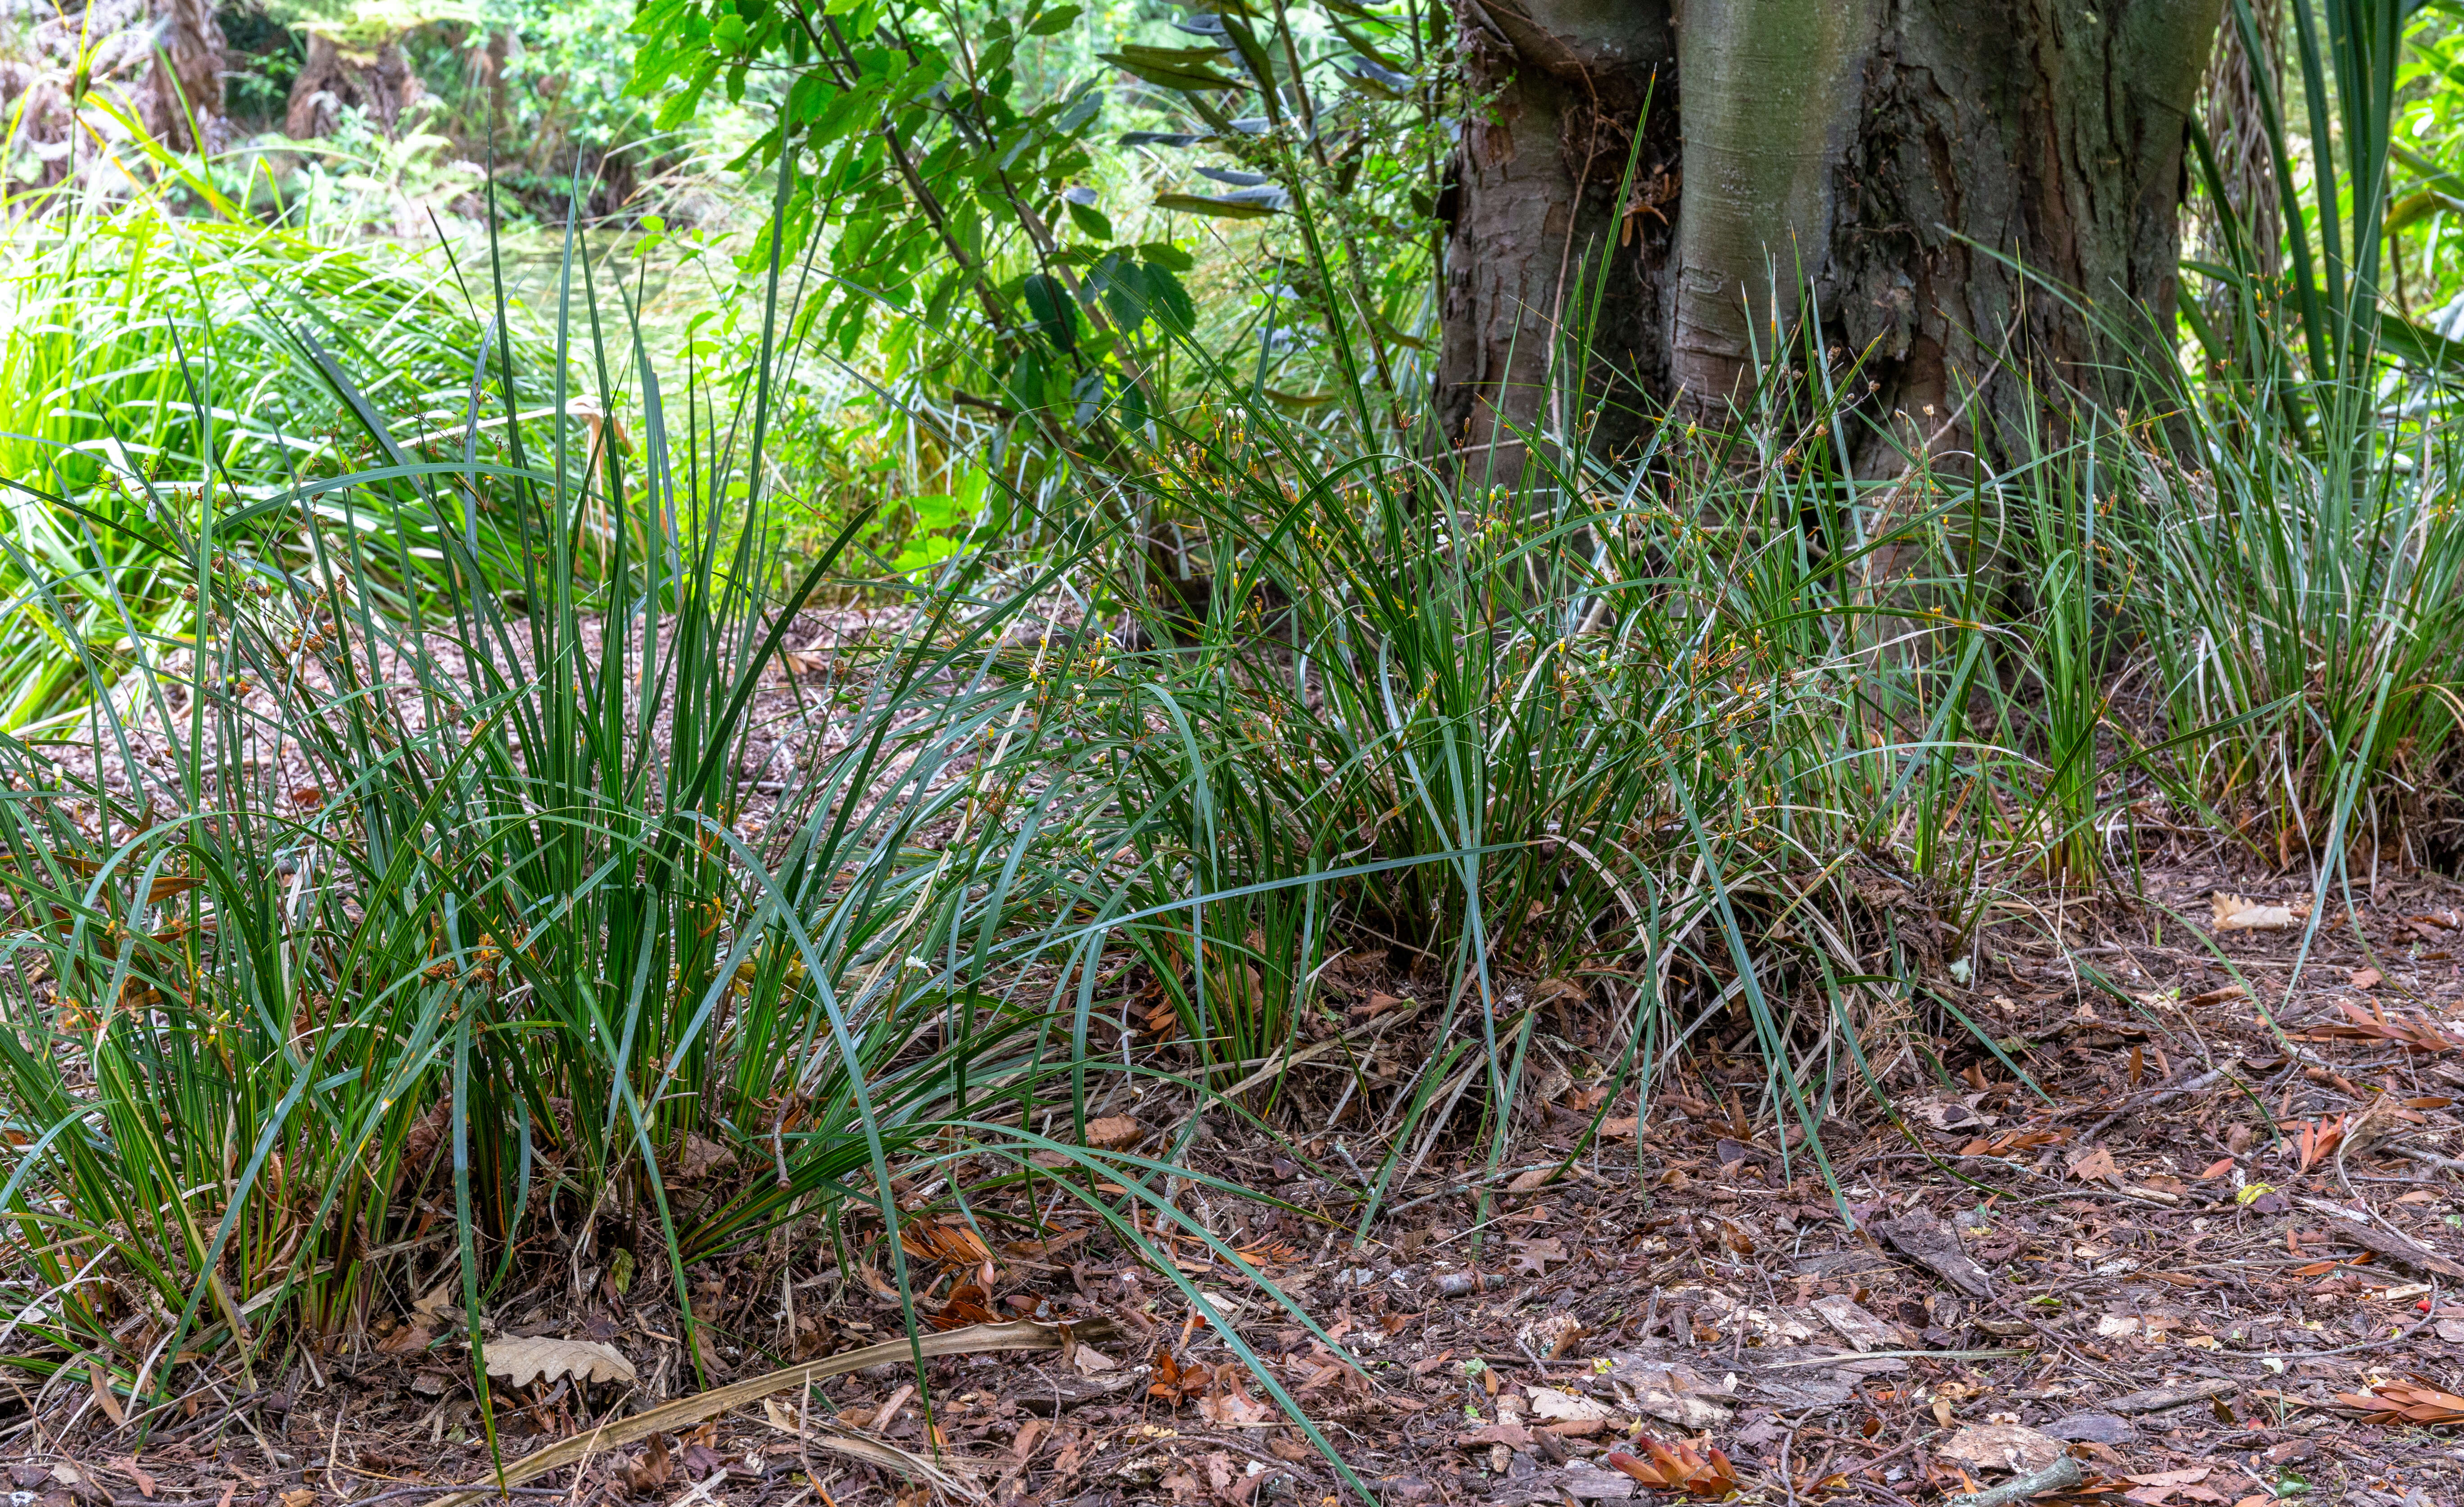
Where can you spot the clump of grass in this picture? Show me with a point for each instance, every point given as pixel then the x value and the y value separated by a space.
pixel 1624 728
pixel 2312 640
pixel 547 897
pixel 162 365
pixel 469 903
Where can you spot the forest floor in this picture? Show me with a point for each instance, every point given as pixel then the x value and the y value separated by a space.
pixel 2134 1268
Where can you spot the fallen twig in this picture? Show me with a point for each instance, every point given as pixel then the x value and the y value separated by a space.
pixel 2158 1399
pixel 483 1488
pixel 1281 1063
pixel 2059 1477
pixel 2189 1085
pixel 686 1411
pixel 1851 1357
pixel 2357 1228
pixel 2424 1158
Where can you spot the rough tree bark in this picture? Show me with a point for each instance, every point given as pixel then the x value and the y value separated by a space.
pixel 185 83
pixel 334 75
pixel 1559 88
pixel 1925 171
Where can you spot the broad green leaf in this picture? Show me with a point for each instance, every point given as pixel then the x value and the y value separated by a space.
pixel 1090 221
pixel 1164 253
pixel 1054 310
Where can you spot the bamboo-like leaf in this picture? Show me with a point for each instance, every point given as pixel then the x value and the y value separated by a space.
pixel 1182 68
pixel 1249 205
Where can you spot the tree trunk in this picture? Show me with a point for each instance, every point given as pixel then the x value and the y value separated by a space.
pixel 383 83
pixel 186 83
pixel 1535 212
pixel 1980 198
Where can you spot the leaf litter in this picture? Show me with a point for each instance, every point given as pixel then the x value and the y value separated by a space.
pixel 2208 1264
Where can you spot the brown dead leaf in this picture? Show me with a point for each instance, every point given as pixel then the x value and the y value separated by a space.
pixel 2001 1447
pixel 1944 1113
pixel 1284 1447
pixel 1173 1383
pixel 2156 1487
pixel 951 1242
pixel 1536 1254
pixel 1854 1325
pixel 408 1339
pixel 2095 1164
pixel 652 1470
pixel 541 1358
pixel 2368 978
pixel 1551 1406
pixel 2318 1138
pixel 1536 1178
pixel 2375 1025
pixel 127 1466
pixel 1378 1004
pixel 2406 1402
pixel 1269 1252
pixel 2181 1477
pixel 1676 1466
pixel 2010 1142
pixel 1088 1361
pixel 1029 1432
pixel 1512 1435
pixel 966 1304
pixel 2241 913
pixel 103 1396
pixel 1114 1132
pixel 1620 1128
pixel 2218 1168
pixel 702 1157
pixel 1232 1407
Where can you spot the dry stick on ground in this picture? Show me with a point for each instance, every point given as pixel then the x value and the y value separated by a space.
pixel 2389 1242
pixel 2059 1477
pixel 2190 1086
pixel 686 1411
pixel 2158 1399
pixel 2424 1158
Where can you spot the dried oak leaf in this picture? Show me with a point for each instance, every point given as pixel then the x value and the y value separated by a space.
pixel 522 1362
pixel 1536 1254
